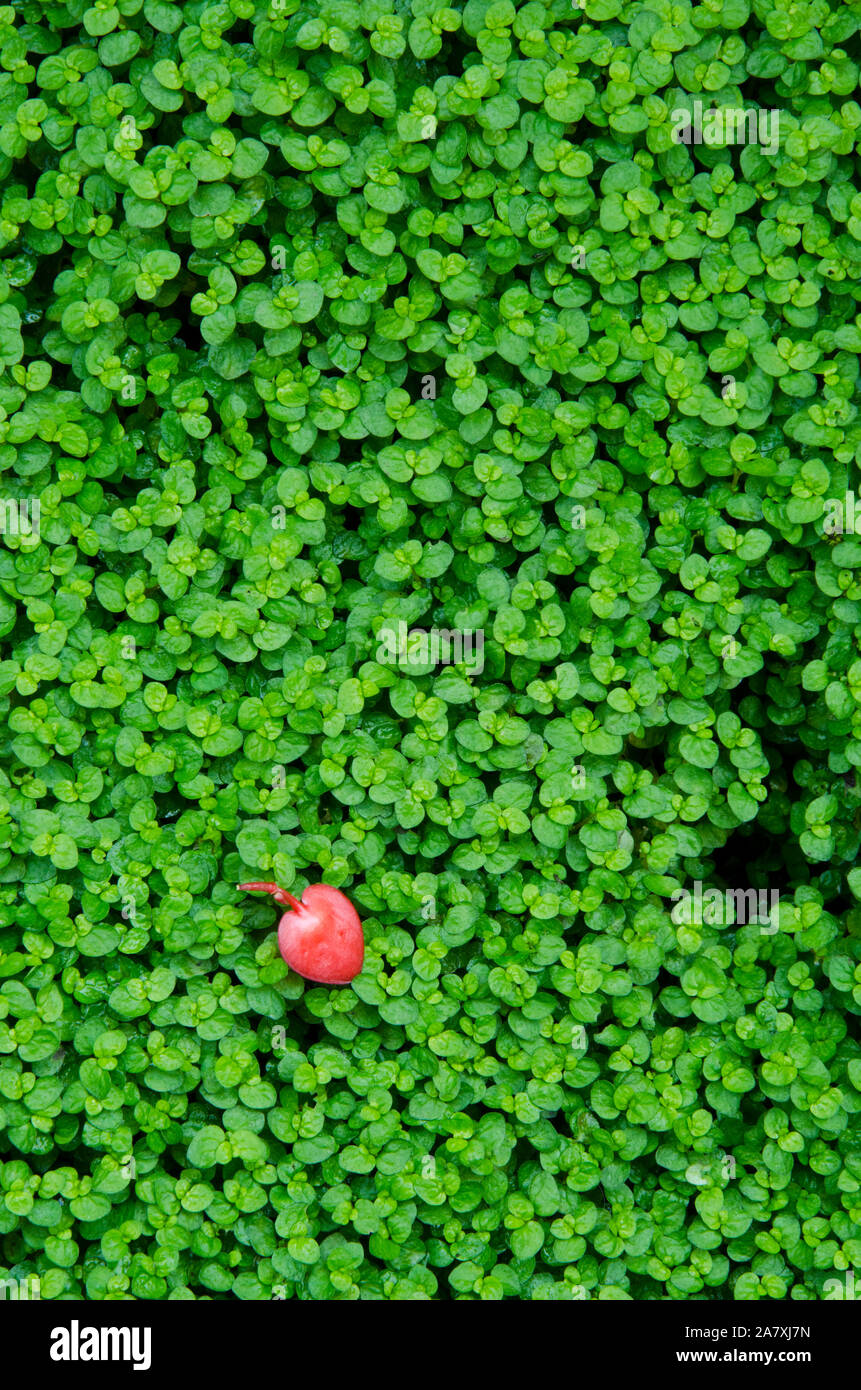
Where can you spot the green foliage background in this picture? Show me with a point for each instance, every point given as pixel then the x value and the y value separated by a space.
pixel 234 240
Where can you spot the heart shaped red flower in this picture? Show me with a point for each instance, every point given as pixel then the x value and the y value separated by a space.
pixel 321 937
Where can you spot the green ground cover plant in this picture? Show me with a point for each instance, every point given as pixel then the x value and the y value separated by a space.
pixel 317 317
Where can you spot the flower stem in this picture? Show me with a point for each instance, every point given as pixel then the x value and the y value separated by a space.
pixel 279 894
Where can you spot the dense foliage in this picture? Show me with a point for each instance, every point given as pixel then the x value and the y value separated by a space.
pixel 317 317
